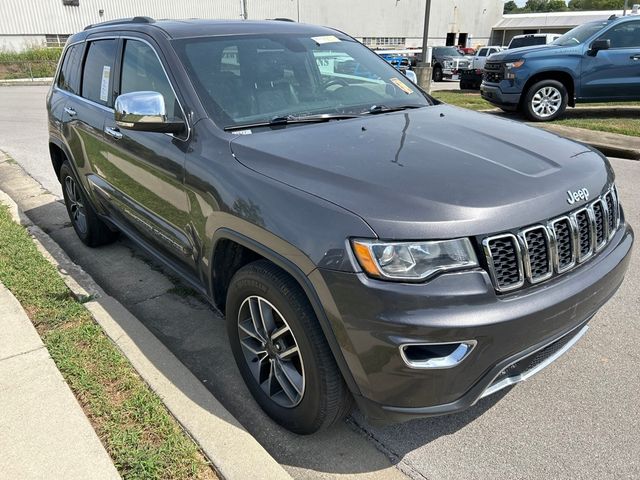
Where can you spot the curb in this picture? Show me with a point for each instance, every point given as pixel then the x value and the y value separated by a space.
pixel 43 82
pixel 28 374
pixel 234 453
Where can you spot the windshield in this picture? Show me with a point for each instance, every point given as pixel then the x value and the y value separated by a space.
pixel 527 42
pixel 580 34
pixel 256 78
pixel 447 52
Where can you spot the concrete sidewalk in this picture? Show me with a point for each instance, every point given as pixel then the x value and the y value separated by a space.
pixel 43 431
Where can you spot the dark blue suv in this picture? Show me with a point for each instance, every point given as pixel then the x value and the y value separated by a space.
pixel 597 61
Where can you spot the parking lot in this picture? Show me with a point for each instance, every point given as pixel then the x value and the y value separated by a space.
pixel 579 418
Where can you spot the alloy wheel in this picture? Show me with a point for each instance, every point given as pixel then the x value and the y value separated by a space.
pixel 271 351
pixel 546 102
pixel 76 204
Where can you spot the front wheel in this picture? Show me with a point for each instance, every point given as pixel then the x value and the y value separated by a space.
pixel 545 101
pixel 281 351
pixel 437 74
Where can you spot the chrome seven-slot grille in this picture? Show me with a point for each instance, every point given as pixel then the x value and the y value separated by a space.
pixel 539 252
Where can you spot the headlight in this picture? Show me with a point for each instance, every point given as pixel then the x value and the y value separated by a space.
pixel 413 261
pixel 513 65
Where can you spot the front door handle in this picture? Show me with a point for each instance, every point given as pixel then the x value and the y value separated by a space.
pixel 113 132
pixel 70 111
pixel 635 57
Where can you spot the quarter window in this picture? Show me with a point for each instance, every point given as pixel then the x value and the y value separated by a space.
pixel 625 35
pixel 143 72
pixel 97 78
pixel 69 78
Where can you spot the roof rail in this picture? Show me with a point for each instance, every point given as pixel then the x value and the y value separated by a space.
pixel 280 19
pixel 121 21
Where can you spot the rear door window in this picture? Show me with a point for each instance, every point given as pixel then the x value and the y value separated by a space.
pixel 97 77
pixel 69 78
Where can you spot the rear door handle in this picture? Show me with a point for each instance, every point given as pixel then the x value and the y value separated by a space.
pixel 113 132
pixel 635 57
pixel 70 111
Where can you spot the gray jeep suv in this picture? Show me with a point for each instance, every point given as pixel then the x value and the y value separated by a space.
pixel 365 242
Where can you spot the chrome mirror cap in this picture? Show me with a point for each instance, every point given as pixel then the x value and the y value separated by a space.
pixel 144 111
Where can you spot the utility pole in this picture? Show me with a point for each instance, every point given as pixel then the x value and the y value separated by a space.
pixel 423 71
pixel 626 6
pixel 243 5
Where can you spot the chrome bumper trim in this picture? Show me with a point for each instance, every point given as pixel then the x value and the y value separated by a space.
pixel 493 388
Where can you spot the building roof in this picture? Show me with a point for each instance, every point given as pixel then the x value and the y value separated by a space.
pixel 526 21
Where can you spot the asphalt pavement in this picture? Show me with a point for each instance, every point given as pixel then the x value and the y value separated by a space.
pixel 579 418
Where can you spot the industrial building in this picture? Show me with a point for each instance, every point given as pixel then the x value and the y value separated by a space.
pixel 554 22
pixel 376 23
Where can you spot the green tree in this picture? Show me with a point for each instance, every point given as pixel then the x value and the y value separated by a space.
pixel 597 4
pixel 545 6
pixel 510 7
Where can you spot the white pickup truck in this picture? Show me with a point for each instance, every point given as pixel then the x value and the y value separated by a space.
pixel 471 78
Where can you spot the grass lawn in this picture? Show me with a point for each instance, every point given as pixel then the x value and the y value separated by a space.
pixel 624 126
pixel 470 100
pixel 625 123
pixel 143 439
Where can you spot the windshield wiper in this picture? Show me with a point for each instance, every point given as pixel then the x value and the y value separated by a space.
pixel 375 109
pixel 291 119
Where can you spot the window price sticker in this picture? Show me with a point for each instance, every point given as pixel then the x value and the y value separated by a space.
pixel 104 85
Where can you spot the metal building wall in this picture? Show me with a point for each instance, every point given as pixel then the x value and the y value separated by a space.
pixel 360 18
pixel 39 17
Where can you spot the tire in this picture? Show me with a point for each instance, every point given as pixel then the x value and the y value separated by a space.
pixel 437 74
pixel 545 101
pixel 318 396
pixel 466 86
pixel 90 229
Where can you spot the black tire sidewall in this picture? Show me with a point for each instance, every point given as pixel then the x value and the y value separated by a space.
pixel 437 74
pixel 536 87
pixel 67 171
pixel 306 417
pixel 98 233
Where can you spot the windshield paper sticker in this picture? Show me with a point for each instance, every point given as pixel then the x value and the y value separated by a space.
pixel 104 86
pixel 401 85
pixel 325 39
pixel 243 132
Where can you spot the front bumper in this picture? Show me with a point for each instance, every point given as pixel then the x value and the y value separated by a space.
pixel 372 318
pixel 492 93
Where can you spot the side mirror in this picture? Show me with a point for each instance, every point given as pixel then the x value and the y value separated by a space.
pixel 145 111
pixel 599 44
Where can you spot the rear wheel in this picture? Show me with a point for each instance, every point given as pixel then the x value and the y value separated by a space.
pixel 546 101
pixel 90 229
pixel 281 351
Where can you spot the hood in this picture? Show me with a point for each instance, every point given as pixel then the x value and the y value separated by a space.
pixel 516 53
pixel 434 172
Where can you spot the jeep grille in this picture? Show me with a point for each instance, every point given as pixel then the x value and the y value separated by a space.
pixel 537 253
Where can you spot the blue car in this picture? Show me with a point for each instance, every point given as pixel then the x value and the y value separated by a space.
pixel 597 61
